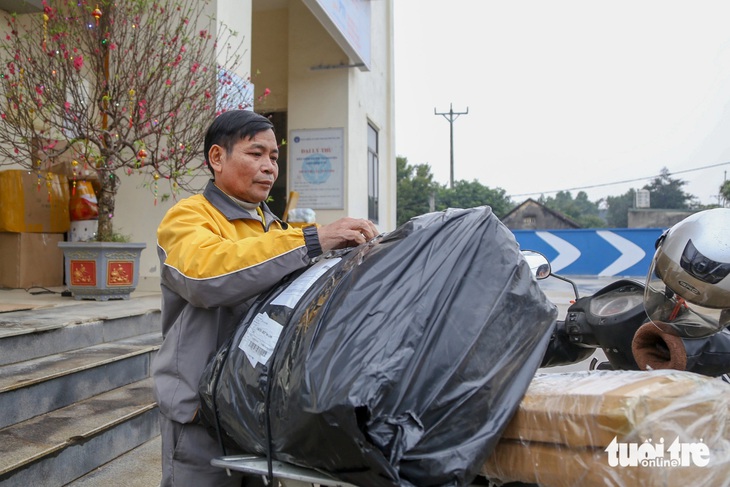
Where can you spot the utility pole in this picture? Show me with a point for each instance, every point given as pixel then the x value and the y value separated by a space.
pixel 451 115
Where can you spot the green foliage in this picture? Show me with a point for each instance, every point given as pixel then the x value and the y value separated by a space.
pixel 418 193
pixel 415 189
pixel 725 191
pixel 618 209
pixel 666 193
pixel 580 209
pixel 467 194
pixel 119 237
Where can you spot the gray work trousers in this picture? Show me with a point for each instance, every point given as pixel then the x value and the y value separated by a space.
pixel 187 450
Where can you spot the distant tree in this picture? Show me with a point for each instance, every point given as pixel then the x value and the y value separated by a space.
pixel 467 194
pixel 666 192
pixel 725 191
pixel 415 190
pixel 617 215
pixel 580 209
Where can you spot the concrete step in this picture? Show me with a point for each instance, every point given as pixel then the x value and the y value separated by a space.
pixel 31 334
pixel 35 387
pixel 61 446
pixel 140 467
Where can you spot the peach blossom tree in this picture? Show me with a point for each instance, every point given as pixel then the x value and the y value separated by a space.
pixel 128 86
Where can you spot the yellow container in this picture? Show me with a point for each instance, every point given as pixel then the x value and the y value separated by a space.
pixel 34 202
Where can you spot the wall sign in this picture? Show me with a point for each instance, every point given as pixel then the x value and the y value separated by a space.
pixel 317 169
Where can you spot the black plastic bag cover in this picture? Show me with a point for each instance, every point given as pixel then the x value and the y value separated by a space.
pixel 400 365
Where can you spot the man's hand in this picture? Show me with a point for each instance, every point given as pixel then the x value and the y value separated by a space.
pixel 346 232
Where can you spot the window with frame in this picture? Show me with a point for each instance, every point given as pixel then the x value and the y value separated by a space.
pixel 373 173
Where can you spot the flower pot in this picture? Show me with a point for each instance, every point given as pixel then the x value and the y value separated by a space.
pixel 101 270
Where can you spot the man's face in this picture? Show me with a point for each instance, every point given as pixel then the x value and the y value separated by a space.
pixel 249 171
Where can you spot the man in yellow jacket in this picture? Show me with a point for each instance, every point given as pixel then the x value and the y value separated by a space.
pixel 218 250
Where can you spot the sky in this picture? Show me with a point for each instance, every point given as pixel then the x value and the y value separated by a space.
pixel 566 94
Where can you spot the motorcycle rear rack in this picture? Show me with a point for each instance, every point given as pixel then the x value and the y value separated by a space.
pixel 255 465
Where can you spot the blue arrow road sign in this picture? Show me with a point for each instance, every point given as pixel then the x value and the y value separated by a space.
pixel 594 252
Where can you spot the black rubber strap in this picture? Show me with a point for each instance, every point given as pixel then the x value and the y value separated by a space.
pixel 311 239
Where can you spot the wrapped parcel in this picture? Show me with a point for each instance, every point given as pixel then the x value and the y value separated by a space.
pixel 397 363
pixel 618 429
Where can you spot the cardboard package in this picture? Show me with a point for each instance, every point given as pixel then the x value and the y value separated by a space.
pixel 57 156
pixel 618 428
pixel 30 259
pixel 36 202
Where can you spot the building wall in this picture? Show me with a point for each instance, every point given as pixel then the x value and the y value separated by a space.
pixel 648 218
pixel 270 59
pixel 372 100
pixel 345 98
pixel 319 98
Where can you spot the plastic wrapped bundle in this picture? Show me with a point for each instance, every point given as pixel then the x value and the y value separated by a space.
pixel 618 429
pixel 398 363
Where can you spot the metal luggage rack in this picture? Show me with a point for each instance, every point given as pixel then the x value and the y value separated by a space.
pixel 255 465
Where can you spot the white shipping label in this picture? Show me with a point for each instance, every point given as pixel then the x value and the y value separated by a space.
pixel 294 292
pixel 260 339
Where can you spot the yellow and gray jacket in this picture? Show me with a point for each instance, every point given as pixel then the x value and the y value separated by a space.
pixel 215 259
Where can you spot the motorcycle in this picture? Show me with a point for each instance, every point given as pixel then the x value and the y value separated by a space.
pixel 615 320
pixel 572 416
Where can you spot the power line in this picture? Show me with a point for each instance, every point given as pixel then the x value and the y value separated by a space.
pixel 621 182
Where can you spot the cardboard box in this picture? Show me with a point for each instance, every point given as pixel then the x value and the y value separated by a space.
pixel 30 259
pixel 36 202
pixel 57 156
pixel 566 425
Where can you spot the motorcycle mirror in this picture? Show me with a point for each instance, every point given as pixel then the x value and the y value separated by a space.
pixel 539 265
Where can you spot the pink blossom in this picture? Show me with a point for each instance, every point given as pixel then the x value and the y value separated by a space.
pixel 67 106
pixel 267 92
pixel 78 62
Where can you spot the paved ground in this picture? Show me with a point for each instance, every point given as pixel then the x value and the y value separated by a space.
pixel 42 297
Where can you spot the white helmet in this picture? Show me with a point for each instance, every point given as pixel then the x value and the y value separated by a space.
pixel 693 262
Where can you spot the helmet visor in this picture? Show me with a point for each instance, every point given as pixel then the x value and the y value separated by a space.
pixel 673 315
